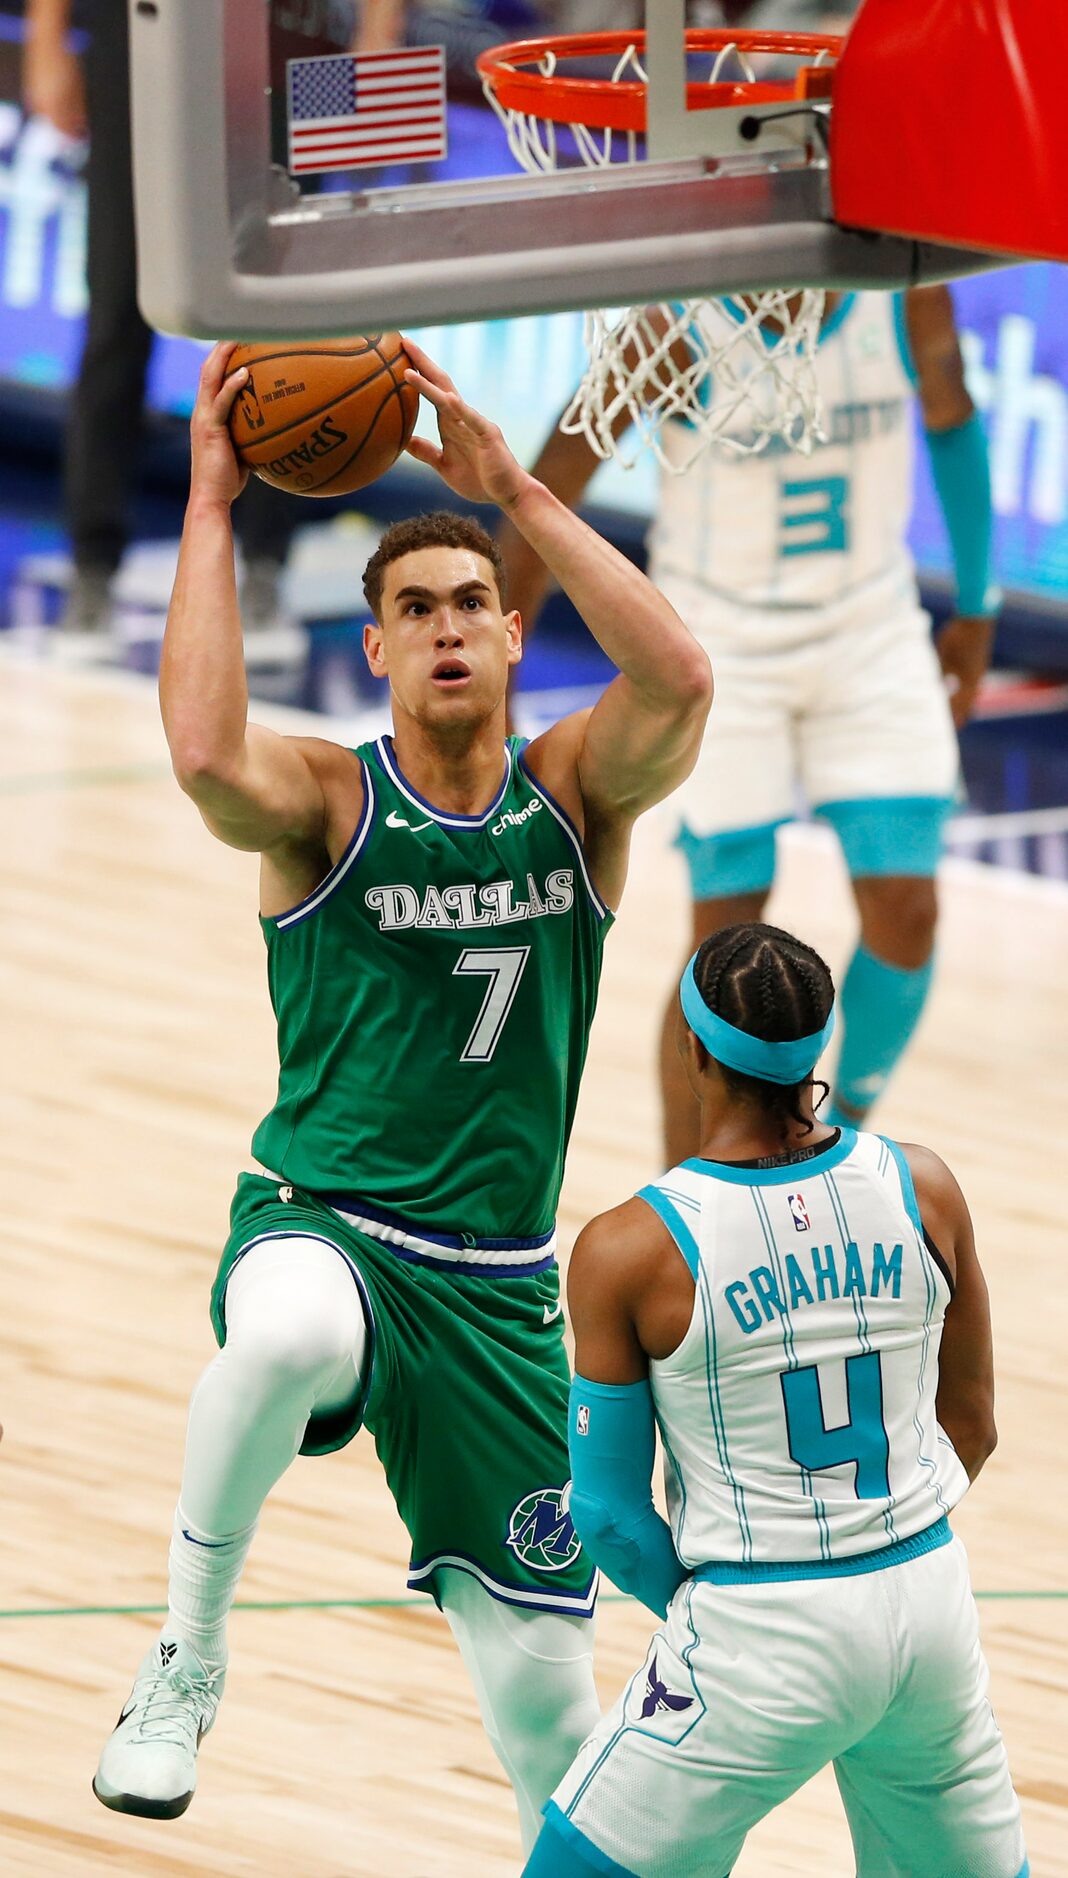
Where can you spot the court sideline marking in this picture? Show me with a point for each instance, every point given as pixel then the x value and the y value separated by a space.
pixel 418 1602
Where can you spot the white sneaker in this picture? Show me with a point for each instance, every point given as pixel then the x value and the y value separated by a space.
pixel 149 1763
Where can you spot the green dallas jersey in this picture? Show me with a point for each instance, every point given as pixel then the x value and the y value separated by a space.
pixel 434 997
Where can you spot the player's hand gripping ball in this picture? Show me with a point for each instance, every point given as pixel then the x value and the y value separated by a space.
pixel 322 417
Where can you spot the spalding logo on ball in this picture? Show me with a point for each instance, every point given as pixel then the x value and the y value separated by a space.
pixel 324 416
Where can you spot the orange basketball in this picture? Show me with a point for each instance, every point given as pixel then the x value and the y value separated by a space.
pixel 321 417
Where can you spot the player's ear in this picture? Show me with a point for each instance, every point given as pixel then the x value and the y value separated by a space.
pixel 515 636
pixel 374 648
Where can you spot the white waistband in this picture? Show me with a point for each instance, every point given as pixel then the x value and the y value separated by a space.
pixel 407 1241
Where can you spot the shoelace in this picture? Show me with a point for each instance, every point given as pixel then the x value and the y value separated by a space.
pixel 171 1707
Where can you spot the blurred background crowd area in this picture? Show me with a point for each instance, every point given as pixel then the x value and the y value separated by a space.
pixel 94 452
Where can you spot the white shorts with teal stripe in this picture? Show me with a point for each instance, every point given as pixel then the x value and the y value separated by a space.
pixel 748 1690
pixel 840 709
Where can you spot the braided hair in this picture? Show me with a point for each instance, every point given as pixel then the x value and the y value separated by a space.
pixel 764 981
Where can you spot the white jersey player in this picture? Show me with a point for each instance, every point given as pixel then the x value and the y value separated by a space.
pixel 800 1311
pixel 795 574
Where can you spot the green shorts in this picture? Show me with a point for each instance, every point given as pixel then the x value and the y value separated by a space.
pixel 465 1393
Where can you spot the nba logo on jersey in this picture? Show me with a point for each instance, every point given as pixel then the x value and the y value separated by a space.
pixel 799 1212
pixel 582 1419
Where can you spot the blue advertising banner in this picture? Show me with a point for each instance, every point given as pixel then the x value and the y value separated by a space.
pixel 1014 330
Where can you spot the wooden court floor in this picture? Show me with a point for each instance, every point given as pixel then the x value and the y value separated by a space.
pixel 137 1056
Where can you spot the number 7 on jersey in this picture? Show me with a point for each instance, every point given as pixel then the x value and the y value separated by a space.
pixel 504 967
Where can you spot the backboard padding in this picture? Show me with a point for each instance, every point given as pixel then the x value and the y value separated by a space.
pixel 949 123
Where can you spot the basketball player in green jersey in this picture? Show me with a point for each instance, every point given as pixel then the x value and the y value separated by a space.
pixel 434 907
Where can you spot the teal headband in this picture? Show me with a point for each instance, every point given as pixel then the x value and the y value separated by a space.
pixel 752 1056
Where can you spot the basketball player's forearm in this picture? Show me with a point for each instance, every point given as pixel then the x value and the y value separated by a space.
pixel 565 466
pixel 972 1432
pixel 612 1447
pixel 47 22
pixel 202 685
pixel 631 621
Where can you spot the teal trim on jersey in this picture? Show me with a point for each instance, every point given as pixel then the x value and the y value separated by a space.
pixel 783 1063
pixel 901 334
pixel 931 1296
pixel 908 1189
pixel 889 835
pixel 562 1851
pixel 827 330
pixel 676 1225
pixel 759 1573
pixel 908 1194
pixel 960 464
pixel 1025 1870
pixel 794 1172
pixel 738 860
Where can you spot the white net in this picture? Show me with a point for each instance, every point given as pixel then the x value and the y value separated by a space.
pixel 739 380
pixel 736 373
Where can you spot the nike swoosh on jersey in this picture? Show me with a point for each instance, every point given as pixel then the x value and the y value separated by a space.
pixel 396 820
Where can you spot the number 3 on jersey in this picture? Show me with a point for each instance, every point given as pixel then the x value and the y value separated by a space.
pixel 504 967
pixel 814 516
pixel 861 1441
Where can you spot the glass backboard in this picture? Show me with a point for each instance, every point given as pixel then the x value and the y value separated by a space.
pixel 335 168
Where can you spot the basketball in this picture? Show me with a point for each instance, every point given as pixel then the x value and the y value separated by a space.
pixel 323 417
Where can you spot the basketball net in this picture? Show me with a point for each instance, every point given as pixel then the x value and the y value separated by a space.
pixel 740 379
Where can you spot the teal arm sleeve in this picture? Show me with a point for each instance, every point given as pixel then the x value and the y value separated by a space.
pixel 612 1442
pixel 961 469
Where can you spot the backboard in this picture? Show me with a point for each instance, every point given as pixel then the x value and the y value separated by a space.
pixel 232 241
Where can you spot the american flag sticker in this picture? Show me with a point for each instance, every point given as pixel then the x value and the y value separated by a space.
pixel 383 107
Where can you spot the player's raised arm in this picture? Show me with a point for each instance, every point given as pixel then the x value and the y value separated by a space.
pixel 643 736
pixel 965 1401
pixel 253 787
pixel 566 465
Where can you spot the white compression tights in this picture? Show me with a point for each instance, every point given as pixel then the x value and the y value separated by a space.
pixel 296 1341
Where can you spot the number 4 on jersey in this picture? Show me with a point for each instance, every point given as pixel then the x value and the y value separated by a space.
pixel 504 967
pixel 862 1440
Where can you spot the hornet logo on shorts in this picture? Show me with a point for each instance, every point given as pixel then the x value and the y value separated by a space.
pixel 658 1697
pixel 541 1531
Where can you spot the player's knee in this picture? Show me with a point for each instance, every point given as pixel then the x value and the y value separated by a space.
pixel 543 1710
pixel 300 1340
pixel 735 909
pixel 898 917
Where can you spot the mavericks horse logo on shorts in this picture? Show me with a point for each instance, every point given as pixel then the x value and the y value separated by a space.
pixel 541 1531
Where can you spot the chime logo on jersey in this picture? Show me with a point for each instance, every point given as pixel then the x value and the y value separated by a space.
pixel 799 1212
pixel 542 1533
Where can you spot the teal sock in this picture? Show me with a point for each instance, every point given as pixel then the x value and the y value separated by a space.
pixel 879 1008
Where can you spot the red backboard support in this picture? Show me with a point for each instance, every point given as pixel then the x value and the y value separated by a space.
pixel 949 123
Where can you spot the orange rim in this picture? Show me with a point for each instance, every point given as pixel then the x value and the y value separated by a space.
pixel 619 104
